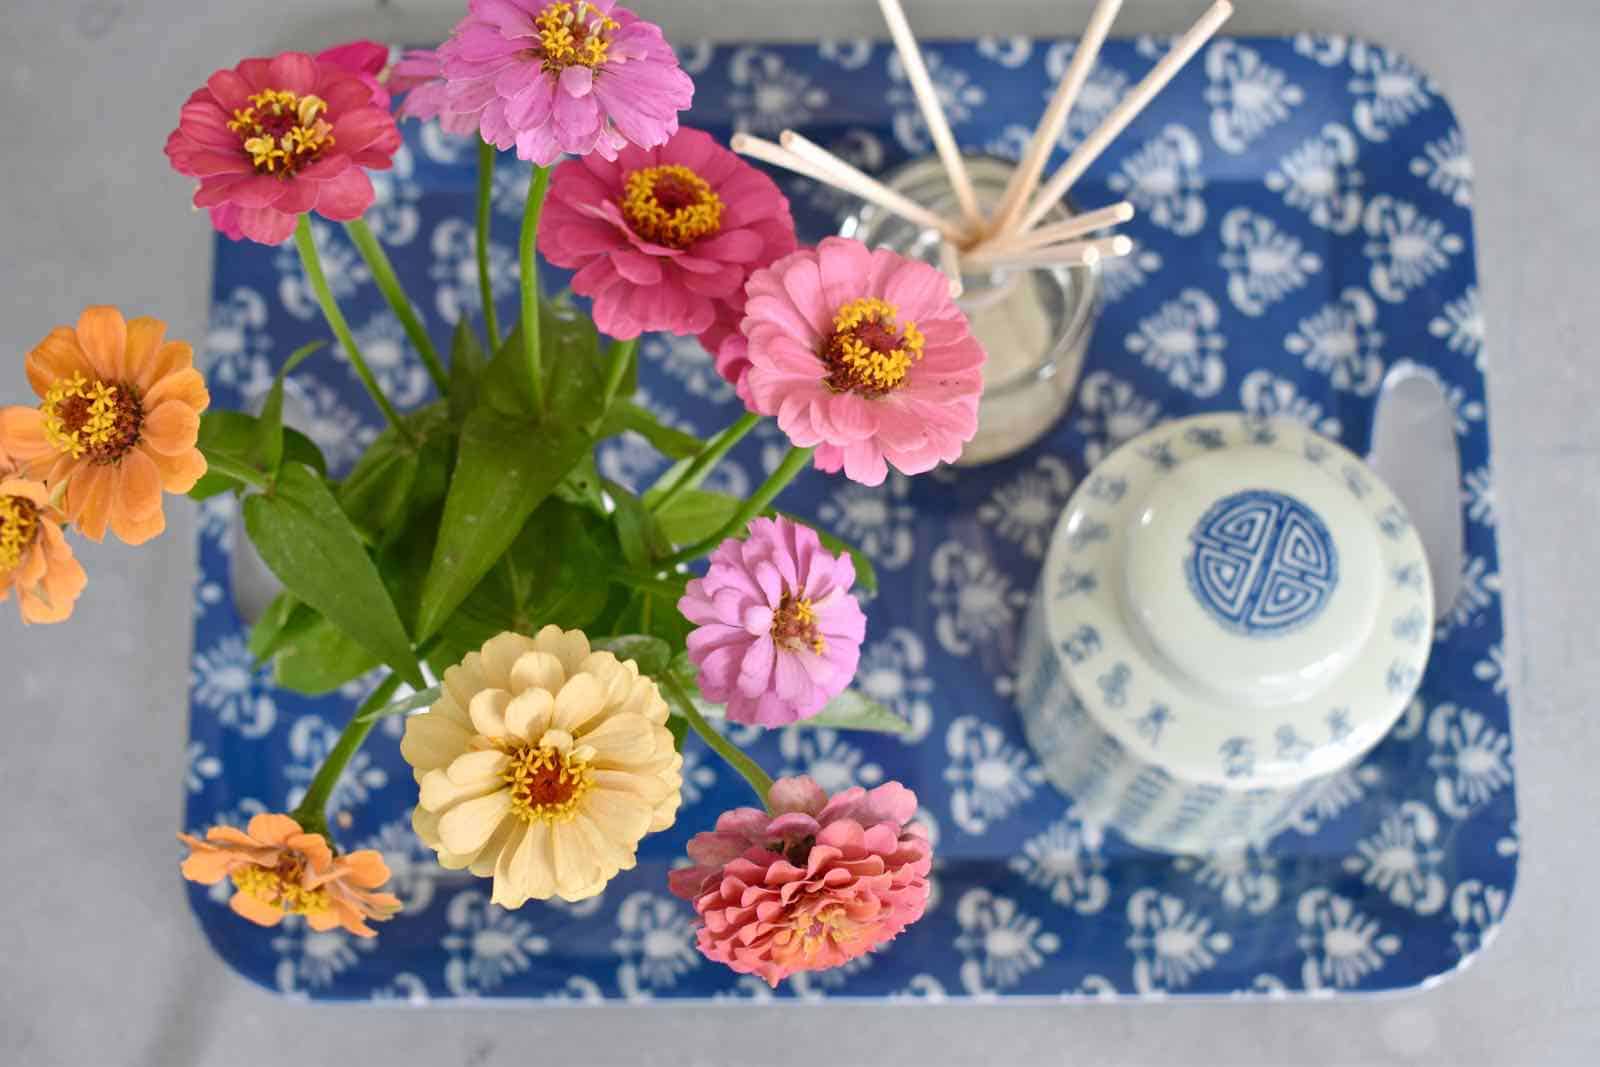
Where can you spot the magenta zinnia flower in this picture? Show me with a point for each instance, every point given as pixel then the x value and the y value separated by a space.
pixel 420 75
pixel 811 884
pixel 366 60
pixel 558 76
pixel 779 634
pixel 275 138
pixel 864 355
pixel 664 238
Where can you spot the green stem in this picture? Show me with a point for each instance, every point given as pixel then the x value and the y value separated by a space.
pixel 730 753
pixel 389 284
pixel 240 472
pixel 312 262
pixel 312 813
pixel 707 458
pixel 529 266
pixel 622 353
pixel 491 319
pixel 792 464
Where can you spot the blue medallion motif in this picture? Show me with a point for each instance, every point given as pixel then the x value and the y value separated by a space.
pixel 1263 563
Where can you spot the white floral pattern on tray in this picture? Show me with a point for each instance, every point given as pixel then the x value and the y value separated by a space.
pixel 1349 249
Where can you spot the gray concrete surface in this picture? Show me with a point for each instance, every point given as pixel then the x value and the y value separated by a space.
pixel 100 962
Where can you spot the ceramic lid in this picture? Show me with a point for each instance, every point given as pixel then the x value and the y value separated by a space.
pixel 1240 601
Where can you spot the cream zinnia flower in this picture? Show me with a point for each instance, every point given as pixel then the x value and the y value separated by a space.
pixel 543 764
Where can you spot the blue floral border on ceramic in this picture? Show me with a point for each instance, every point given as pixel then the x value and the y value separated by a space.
pixel 1304 223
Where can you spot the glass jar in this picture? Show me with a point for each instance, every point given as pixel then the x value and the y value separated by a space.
pixel 1035 323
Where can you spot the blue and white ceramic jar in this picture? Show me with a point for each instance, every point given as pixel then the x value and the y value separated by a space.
pixel 1231 611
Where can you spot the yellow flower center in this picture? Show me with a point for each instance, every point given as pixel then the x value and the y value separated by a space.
pixel 89 417
pixel 19 528
pixel 828 924
pixel 794 625
pixel 573 35
pixel 870 351
pixel 280 886
pixel 671 205
pixel 283 131
pixel 546 783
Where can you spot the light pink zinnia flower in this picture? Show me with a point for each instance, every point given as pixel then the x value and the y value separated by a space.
pixel 275 138
pixel 559 76
pixel 779 634
pixel 812 884
pixel 864 355
pixel 664 238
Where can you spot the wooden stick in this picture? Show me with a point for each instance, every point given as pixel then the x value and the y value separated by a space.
pixel 1025 179
pixel 1125 112
pixel 778 156
pixel 838 173
pixel 1056 232
pixel 1071 254
pixel 932 111
pixel 950 263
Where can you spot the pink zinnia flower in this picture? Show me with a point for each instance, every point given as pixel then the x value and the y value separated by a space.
pixel 779 634
pixel 275 138
pixel 863 355
pixel 664 238
pixel 812 884
pixel 558 76
pixel 420 74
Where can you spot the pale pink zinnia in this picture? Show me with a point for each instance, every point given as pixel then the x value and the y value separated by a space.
pixel 275 138
pixel 664 238
pixel 810 884
pixel 557 76
pixel 863 355
pixel 778 634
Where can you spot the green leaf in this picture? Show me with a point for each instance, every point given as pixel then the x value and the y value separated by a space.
pixel 641 536
pixel 377 492
pixel 318 657
pixel 283 618
pixel 419 699
pixel 310 544
pixel 626 415
pixel 695 514
pixel 507 465
pixel 852 711
pixel 467 363
pixel 230 433
pixel 570 356
pixel 680 729
pixel 266 446
pixel 581 486
pixel 847 711
pixel 651 654
pixel 670 587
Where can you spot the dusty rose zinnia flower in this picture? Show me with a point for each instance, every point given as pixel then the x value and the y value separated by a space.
pixel 558 76
pixel 35 559
pixel 117 421
pixel 664 238
pixel 779 634
pixel 278 869
pixel 864 355
pixel 811 884
pixel 275 138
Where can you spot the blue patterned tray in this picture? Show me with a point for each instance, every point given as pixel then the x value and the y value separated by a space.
pixel 1304 222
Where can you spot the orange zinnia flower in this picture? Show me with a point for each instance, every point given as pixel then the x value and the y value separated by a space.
pixel 279 869
pixel 117 421
pixel 34 558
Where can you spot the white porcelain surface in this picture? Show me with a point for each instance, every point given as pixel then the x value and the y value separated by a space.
pixel 1231 610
